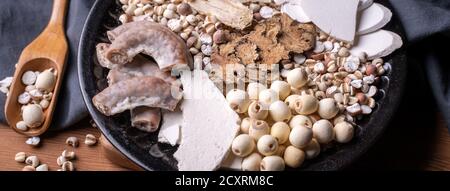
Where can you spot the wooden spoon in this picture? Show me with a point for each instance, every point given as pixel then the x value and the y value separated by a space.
pixel 48 50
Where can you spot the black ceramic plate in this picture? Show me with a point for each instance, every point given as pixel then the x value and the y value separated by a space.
pixel 143 149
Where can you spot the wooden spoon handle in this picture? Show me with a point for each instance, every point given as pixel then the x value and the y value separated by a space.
pixel 59 12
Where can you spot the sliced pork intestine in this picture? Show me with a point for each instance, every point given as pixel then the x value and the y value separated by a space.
pixel 140 66
pixel 146 119
pixel 112 34
pixel 136 92
pixel 157 41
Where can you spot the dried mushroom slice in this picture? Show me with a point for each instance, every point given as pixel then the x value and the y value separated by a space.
pixel 164 46
pixel 136 92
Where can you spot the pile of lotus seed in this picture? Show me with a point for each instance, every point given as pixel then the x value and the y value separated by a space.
pixel 36 98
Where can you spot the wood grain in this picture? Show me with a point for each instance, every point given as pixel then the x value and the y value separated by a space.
pixel 385 156
pixel 48 50
pixel 52 145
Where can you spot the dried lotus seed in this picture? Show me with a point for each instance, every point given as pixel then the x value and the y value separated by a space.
pixel 238 100
pixel 279 111
pixel 242 145
pixel 272 163
pixel 312 150
pixel 300 136
pixel 21 125
pixel 258 128
pixel 254 89
pixel 46 80
pixel 280 131
pixel 251 162
pixel 267 145
pixel 300 120
pixel 258 110
pixel 323 131
pixel 294 157
pixel 29 78
pixel 343 132
pixel 245 125
pixel 282 88
pixel 268 96
pixel 24 98
pixel 33 115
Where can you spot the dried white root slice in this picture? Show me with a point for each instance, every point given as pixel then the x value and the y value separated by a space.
pixel 295 11
pixel 373 18
pixel 364 4
pixel 136 92
pixel 171 128
pixel 229 12
pixel 335 17
pixel 377 44
pixel 206 117
pixel 146 119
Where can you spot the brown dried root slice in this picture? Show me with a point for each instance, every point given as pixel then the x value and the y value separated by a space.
pixel 296 37
pixel 229 12
pixel 247 53
pixel 140 66
pixel 137 92
pixel 146 119
pixel 166 47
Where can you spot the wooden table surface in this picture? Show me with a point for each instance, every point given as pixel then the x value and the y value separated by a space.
pixel 421 149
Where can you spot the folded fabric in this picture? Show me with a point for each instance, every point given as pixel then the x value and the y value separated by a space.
pixel 20 22
pixel 427 27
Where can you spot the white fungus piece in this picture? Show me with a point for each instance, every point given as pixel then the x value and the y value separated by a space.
pixel 242 145
pixel 251 162
pixel 294 157
pixel 281 131
pixel 238 100
pixel 282 88
pixel 272 163
pixel 24 98
pixel 254 89
pixel 268 96
pixel 312 150
pixel 300 136
pixel 323 131
pixel 29 78
pixel 46 80
pixel 267 145
pixel 279 111
pixel 33 115
pixel 344 132
pixel 300 120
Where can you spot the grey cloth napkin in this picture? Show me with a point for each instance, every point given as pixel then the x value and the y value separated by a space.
pixel 20 22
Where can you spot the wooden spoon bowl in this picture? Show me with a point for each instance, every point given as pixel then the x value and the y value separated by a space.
pixel 48 50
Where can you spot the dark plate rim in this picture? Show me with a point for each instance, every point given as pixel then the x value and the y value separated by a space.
pixel 340 160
